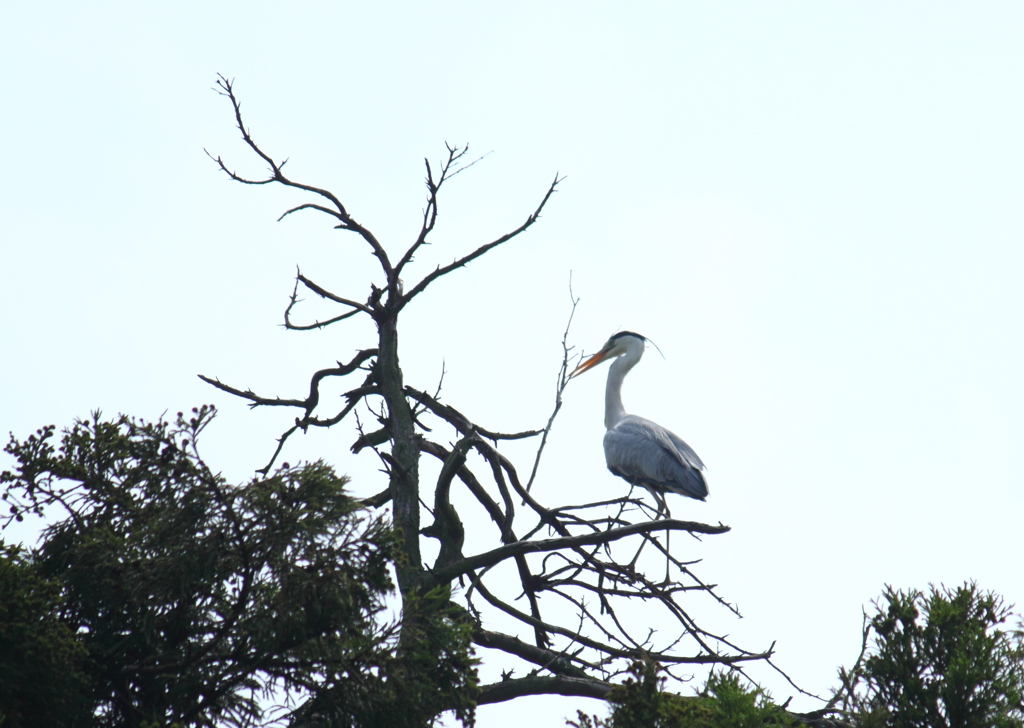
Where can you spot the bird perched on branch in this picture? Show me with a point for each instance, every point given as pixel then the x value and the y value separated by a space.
pixel 639 451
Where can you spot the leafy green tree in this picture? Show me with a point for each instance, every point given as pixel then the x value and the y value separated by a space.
pixel 41 663
pixel 941 659
pixel 727 701
pixel 194 602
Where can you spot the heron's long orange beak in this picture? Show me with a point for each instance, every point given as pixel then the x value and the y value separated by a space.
pixel 590 363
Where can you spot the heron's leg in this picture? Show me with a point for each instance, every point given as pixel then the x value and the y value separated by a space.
pixel 662 505
pixel 636 556
pixel 663 512
pixel 668 538
pixel 668 548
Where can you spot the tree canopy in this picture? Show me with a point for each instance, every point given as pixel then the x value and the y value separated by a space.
pixel 180 599
pixel 941 658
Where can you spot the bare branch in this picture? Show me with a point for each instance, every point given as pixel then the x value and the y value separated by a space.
pixel 460 422
pixel 851 677
pixel 224 87
pixel 376 501
pixel 461 262
pixel 578 637
pixel 542 685
pixel 311 401
pixel 316 324
pixel 449 168
pixel 557 662
pixel 447 526
pixel 313 206
pixel 277 450
pixel 471 482
pixel 332 297
pixel 354 396
pixel 788 679
pixel 430 211
pixel 490 558
pixel 563 380
pixel 254 398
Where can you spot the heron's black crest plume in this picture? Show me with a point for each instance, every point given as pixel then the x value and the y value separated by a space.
pixel 642 338
pixel 619 335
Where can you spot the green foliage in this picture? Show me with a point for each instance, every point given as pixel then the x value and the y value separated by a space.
pixel 940 659
pixel 435 672
pixel 195 602
pixel 733 704
pixel 41 677
pixel 726 702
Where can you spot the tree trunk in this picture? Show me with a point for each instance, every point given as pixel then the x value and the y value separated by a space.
pixel 404 454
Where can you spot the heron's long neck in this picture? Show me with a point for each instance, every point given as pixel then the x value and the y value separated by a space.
pixel 613 409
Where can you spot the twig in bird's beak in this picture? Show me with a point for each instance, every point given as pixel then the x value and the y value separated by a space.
pixel 591 362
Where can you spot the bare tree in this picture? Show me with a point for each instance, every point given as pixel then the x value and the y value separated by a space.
pixel 587 558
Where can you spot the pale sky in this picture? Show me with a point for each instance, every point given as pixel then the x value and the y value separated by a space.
pixel 812 208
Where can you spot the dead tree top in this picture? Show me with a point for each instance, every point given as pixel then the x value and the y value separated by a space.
pixel 589 563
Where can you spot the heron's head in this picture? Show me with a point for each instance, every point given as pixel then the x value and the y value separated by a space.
pixel 619 344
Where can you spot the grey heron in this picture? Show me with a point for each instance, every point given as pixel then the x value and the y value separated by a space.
pixel 639 451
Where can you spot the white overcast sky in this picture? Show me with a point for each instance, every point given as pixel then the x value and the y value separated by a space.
pixel 813 208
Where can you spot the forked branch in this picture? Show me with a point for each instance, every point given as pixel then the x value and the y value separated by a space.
pixel 449 168
pixel 463 261
pixel 495 556
pixel 225 87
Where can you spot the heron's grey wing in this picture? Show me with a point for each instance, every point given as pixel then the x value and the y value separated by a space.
pixel 645 453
